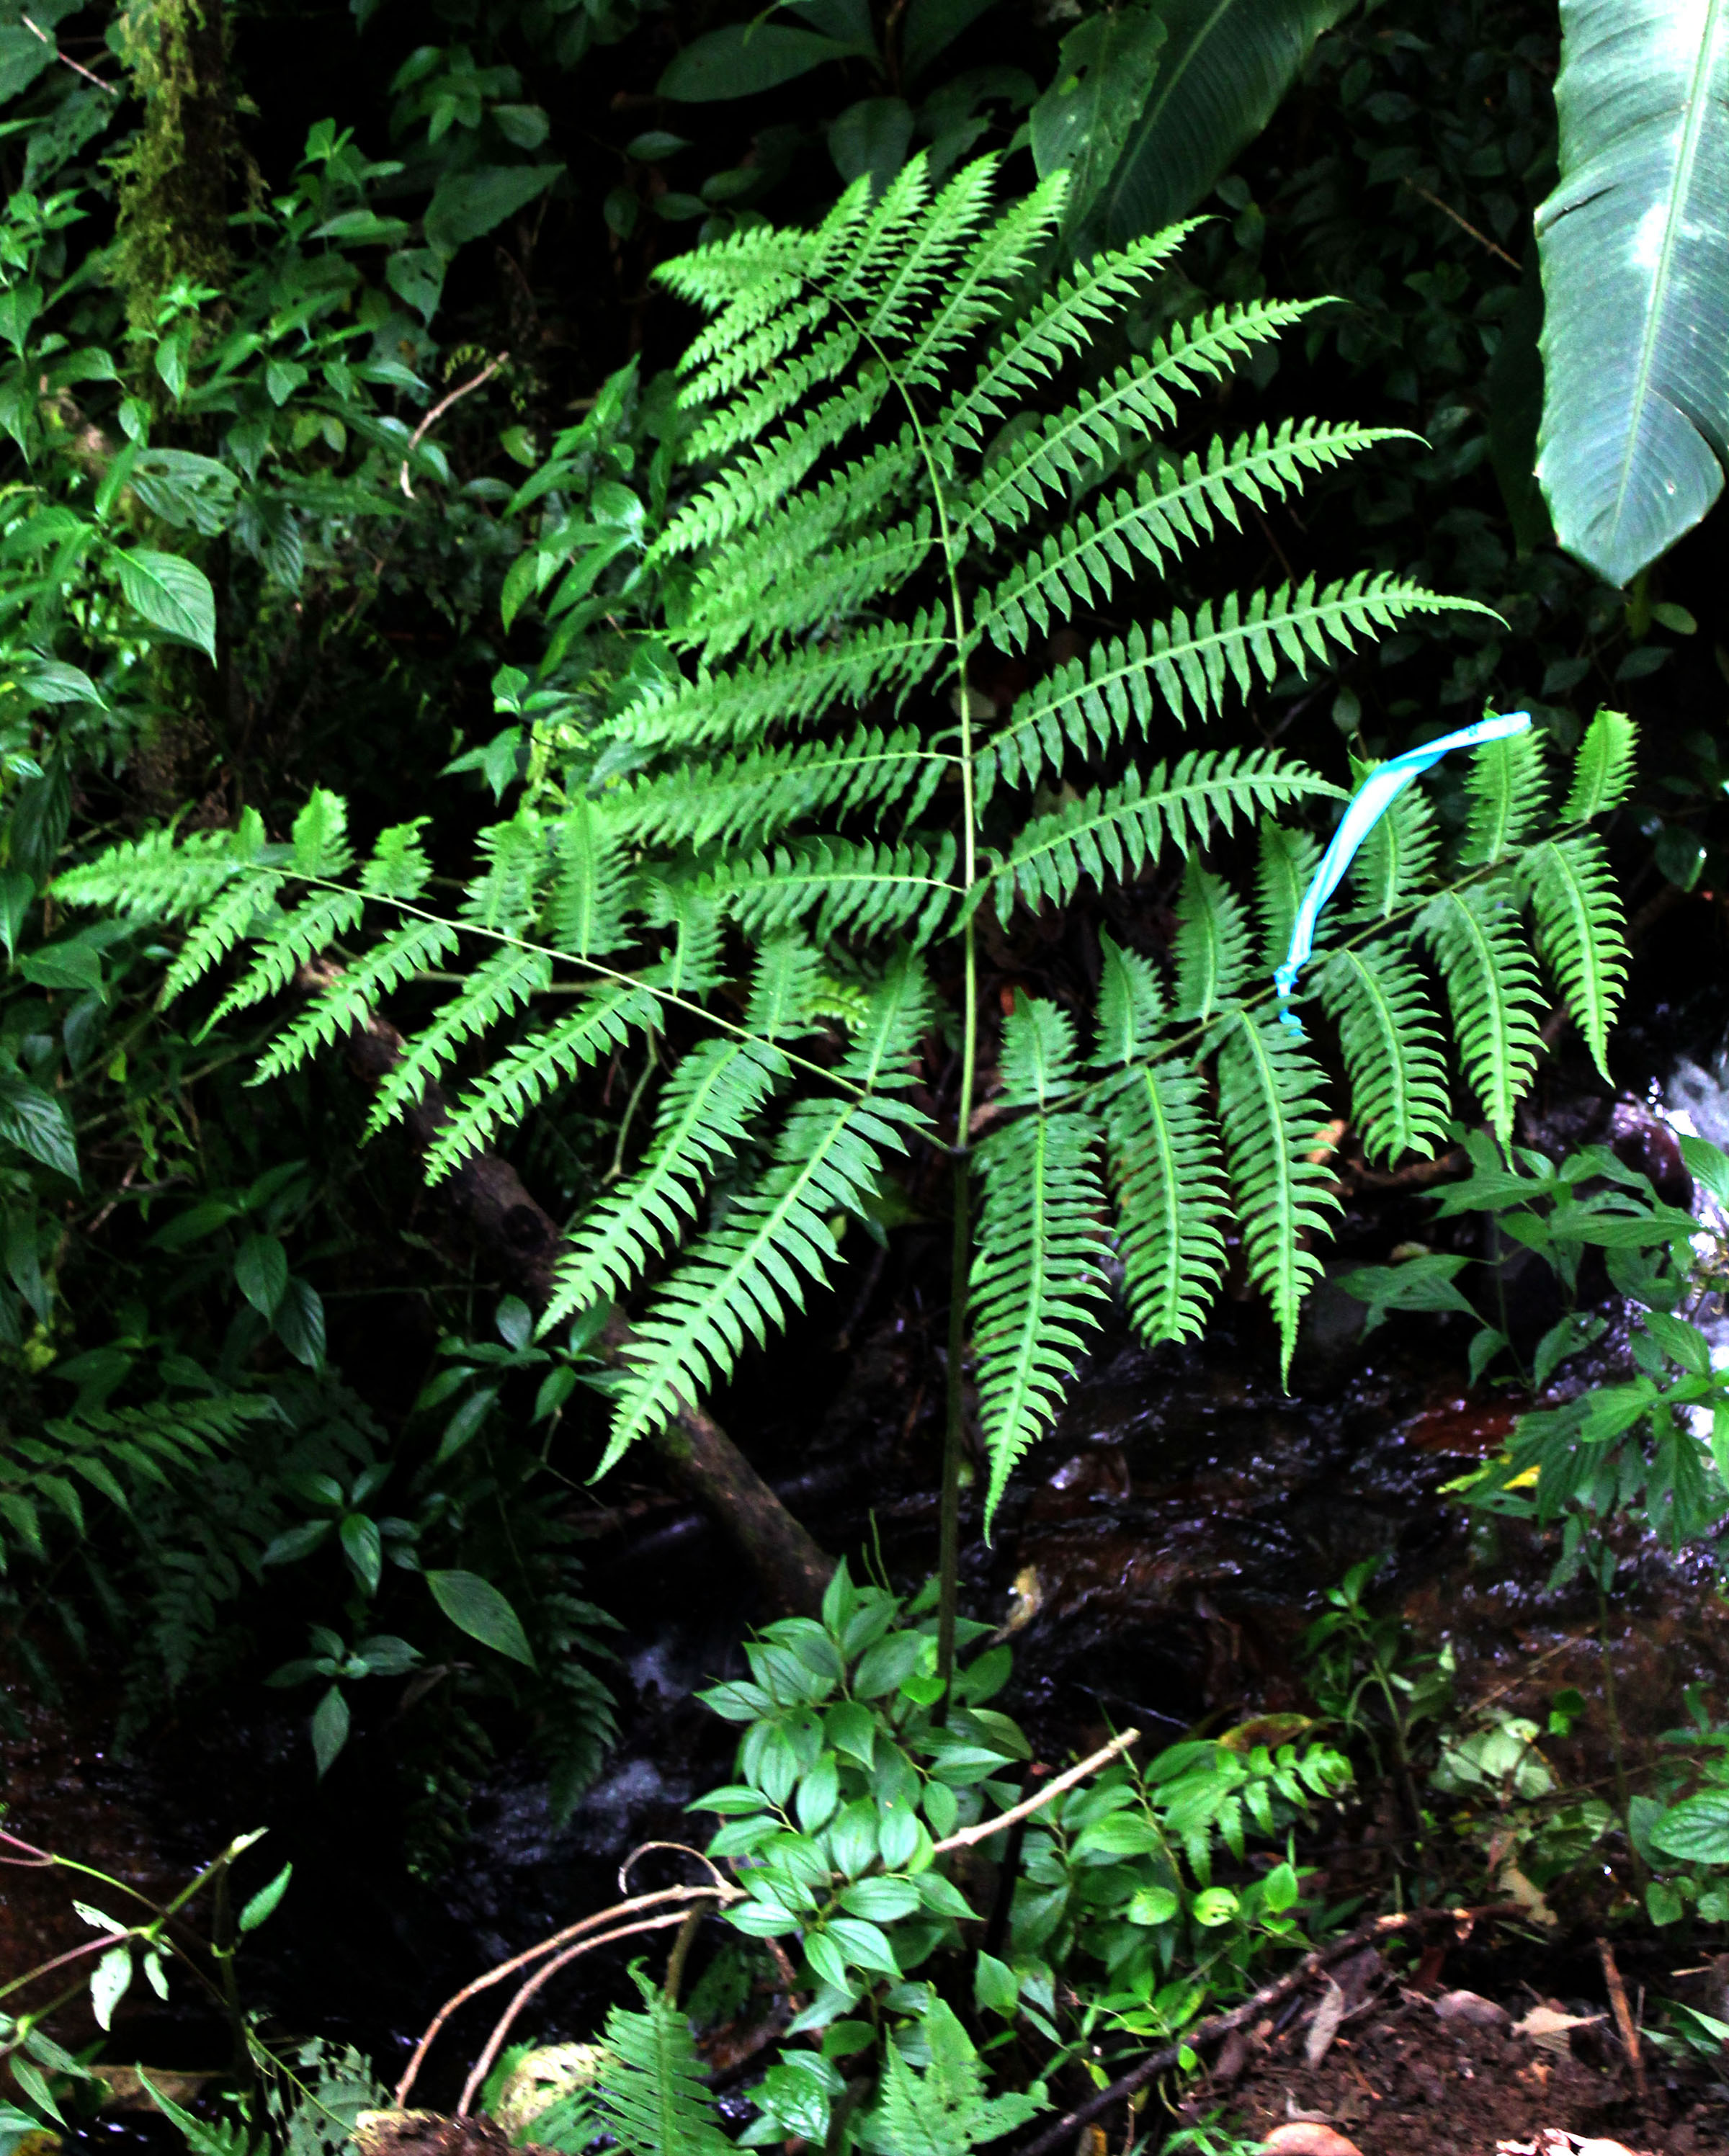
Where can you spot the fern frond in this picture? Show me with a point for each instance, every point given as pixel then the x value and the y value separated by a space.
pixel 1130 1007
pixel 976 292
pixel 1066 452
pixel 651 2099
pixel 767 475
pixel 747 799
pixel 898 1014
pixel 841 581
pixel 518 853
pixel 1092 701
pixel 1051 332
pixel 1479 940
pixel 1039 1272
pixel 1581 932
pixel 529 1070
pixel 285 947
pixel 1168 1176
pixel 782 541
pixel 752 354
pixel 709 1105
pixel 1161 515
pixel 1211 945
pixel 786 689
pixel 348 1000
pixel 740 280
pixel 1271 1107
pixel 1602 767
pixel 1376 998
pixel 166 874
pixel 943 2110
pixel 740 1279
pixel 1507 786
pixel 785 988
pixel 771 393
pixel 497 987
pixel 1286 862
pixel 927 264
pixel 1115 832
pixel 234 915
pixel 850 885
pixel 1398 856
pixel 591 881
pixel 857 276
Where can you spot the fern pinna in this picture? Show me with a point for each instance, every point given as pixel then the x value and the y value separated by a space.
pixel 798 792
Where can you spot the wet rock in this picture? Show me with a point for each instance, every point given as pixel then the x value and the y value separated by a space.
pixel 1468 2006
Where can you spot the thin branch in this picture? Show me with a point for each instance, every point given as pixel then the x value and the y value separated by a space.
pixel 417 2056
pixel 1049 1795
pixel 1482 239
pixel 438 412
pixel 66 58
pixel 494 2042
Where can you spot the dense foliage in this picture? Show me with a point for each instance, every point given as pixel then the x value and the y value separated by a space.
pixel 638 648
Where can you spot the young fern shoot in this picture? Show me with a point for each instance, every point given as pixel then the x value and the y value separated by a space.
pixel 904 476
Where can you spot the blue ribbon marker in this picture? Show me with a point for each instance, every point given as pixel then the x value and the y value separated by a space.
pixel 1368 805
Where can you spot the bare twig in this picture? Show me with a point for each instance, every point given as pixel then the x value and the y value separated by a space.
pixel 679 1895
pixel 66 58
pixel 1624 2018
pixel 501 2029
pixel 1482 239
pixel 438 412
pixel 1062 2134
pixel 1025 1810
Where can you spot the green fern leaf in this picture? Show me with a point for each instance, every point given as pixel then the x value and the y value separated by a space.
pixel 1163 514
pixel 1132 1005
pixel 1603 768
pixel 245 907
pixel 750 356
pixel 1071 450
pixel 1052 332
pixel 1393 1049
pixel 791 687
pixel 163 875
pixel 1479 939
pixel 744 800
pixel 529 1070
pixel 943 2110
pixel 518 854
pixel 928 263
pixel 592 882
pixel 285 946
pixel 1398 856
pixel 850 885
pixel 348 1001
pixel 973 293
pixel 1168 1176
pixel 1038 1275
pixel 742 1278
pixel 1286 864
pixel 1115 833
pixel 1092 702
pixel 709 1105
pixel 1506 784
pixel 1211 945
pixel 1581 932
pixel 771 395
pixel 497 987
pixel 651 2099
pixel 1271 1108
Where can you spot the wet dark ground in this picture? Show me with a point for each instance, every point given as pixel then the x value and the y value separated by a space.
pixel 1159 1554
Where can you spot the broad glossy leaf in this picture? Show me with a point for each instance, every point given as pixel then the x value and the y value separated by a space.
pixel 1225 68
pixel 35 1122
pixel 1636 258
pixel 1697 1830
pixel 1104 70
pixel 172 594
pixel 465 205
pixel 745 58
pixel 475 1606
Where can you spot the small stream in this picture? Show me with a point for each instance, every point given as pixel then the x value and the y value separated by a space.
pixel 1157 1561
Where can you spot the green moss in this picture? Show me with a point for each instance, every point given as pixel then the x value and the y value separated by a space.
pixel 173 175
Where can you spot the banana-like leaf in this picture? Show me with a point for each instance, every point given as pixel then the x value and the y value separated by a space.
pixel 1224 69
pixel 1636 258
